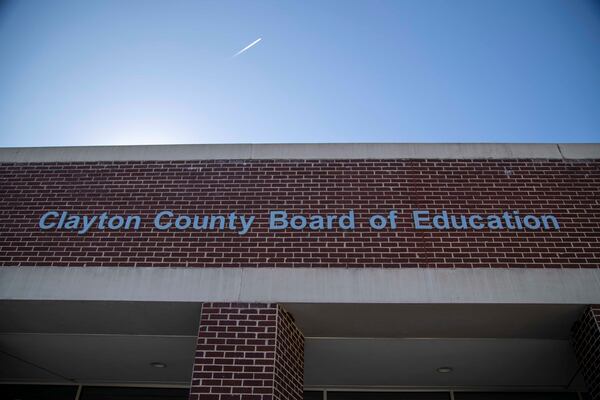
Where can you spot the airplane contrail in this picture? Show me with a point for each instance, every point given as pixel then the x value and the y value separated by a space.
pixel 247 47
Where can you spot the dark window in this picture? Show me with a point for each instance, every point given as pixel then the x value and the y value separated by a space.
pixel 37 392
pixel 128 393
pixel 515 396
pixel 388 396
pixel 313 395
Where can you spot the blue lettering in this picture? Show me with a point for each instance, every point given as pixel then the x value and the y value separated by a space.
pixel 421 216
pixel 532 222
pixel 157 222
pixel 136 219
pixel 298 222
pixel 277 220
pixel 116 222
pixel 43 224
pixel 476 225
pixel 378 222
pixel 183 222
pixel 393 214
pixel 444 221
pixel 316 222
pixel 551 218
pixel 87 224
pixel 246 224
pixel 347 221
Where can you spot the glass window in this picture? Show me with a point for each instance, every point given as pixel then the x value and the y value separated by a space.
pixel 313 395
pixel 129 393
pixel 37 392
pixel 515 396
pixel 388 396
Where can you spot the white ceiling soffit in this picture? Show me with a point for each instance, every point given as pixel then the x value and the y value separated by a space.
pixel 100 317
pixel 511 364
pixel 97 342
pixel 536 321
pixel 116 359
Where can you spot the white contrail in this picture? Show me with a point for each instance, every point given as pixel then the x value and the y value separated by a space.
pixel 247 47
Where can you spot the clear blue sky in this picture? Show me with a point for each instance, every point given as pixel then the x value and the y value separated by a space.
pixel 134 72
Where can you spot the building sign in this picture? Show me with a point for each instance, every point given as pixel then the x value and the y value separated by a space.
pixel 280 220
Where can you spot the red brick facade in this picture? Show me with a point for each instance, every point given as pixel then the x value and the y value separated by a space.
pixel 247 352
pixel 566 188
pixel 289 359
pixel 586 343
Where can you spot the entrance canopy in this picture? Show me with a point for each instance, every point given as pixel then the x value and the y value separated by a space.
pixel 348 346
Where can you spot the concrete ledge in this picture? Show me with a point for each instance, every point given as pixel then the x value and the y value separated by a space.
pixel 303 285
pixel 302 151
pixel 580 151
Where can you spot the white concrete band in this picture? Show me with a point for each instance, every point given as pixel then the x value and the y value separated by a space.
pixel 303 285
pixel 302 151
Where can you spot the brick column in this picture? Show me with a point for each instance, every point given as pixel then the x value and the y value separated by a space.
pixel 247 352
pixel 585 336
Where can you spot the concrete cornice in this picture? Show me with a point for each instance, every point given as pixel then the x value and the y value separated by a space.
pixel 304 285
pixel 326 151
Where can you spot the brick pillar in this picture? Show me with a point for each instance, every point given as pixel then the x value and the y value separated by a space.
pixel 585 336
pixel 247 352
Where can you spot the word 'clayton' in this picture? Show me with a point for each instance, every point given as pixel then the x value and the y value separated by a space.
pixel 280 220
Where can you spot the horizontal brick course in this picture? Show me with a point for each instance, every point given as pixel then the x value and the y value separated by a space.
pixel 569 189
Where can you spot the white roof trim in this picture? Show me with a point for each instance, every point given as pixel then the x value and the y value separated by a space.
pixel 323 151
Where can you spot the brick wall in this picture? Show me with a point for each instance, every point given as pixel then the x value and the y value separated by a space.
pixel 585 337
pixel 568 189
pixel 289 359
pixel 247 352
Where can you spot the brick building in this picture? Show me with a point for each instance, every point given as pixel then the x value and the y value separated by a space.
pixel 331 271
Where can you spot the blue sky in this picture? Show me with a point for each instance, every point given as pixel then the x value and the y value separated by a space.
pixel 152 72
